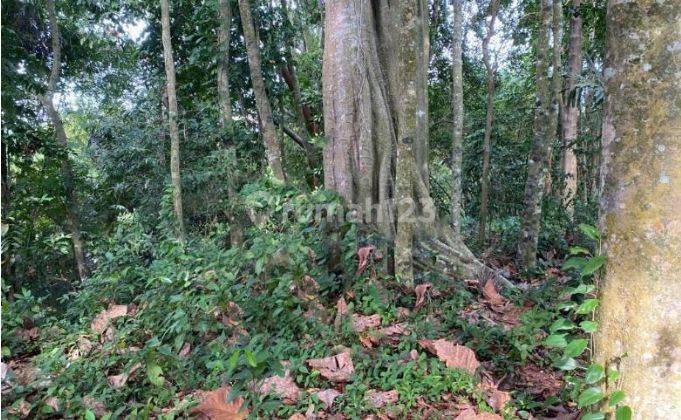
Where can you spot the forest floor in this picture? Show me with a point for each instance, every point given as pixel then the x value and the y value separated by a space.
pixel 162 330
pixel 447 349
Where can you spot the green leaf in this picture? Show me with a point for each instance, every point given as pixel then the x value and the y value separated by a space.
pixel 592 265
pixel 593 416
pixel 589 231
pixel 556 340
pixel 250 358
pixel 589 397
pixel 588 326
pixel 233 360
pixel 561 324
pixel 583 289
pixel 89 415
pixel 613 375
pixel 155 374
pixel 566 363
pixel 573 263
pixel 576 347
pixel 594 374
pixel 587 307
pixel 576 250
pixel 623 413
pixel 615 398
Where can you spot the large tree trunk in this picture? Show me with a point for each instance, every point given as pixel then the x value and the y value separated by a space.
pixel 269 131
pixel 225 106
pixel 541 147
pixel 72 219
pixel 640 315
pixel 457 109
pixel 570 111
pixel 374 86
pixel 176 180
pixel 490 69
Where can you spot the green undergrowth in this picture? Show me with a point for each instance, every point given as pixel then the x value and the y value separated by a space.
pixel 185 296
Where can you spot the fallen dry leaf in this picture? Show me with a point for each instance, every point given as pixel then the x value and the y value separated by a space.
pixel 453 355
pixel 327 396
pixel 403 313
pixel 97 407
pixel 52 402
pixel 184 351
pixel 363 256
pixel 420 291
pixel 214 406
pixel 336 368
pixel 378 399
pixel 388 333
pixel 362 323
pixel 498 399
pixel 102 320
pixel 539 381
pixel 283 387
pixel 119 381
pixel 489 291
pixel 470 414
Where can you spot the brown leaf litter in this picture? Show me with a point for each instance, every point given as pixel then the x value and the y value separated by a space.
pixel 214 406
pixel 453 355
pixel 338 368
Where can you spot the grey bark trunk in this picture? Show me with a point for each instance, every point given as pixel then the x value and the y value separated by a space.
pixel 269 132
pixel 225 106
pixel 570 111
pixel 537 163
pixel 376 155
pixel 176 180
pixel 457 109
pixel 72 217
pixel 556 88
pixel 640 315
pixel 490 68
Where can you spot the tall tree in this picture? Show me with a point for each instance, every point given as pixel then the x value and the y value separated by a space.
pixel 556 87
pixel 47 99
pixel 490 68
pixel 225 106
pixel 262 102
pixel 375 155
pixel 457 108
pixel 570 112
pixel 640 315
pixel 169 62
pixel 537 164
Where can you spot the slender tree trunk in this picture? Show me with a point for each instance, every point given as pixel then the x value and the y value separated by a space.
pixel 169 61
pixel 225 105
pixel 556 89
pixel 537 163
pixel 72 218
pixel 269 132
pixel 640 314
pixel 570 111
pixel 376 155
pixel 491 69
pixel 457 109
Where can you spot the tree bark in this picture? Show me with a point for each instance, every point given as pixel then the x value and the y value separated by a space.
pixel 457 109
pixel 225 106
pixel 570 111
pixel 537 163
pixel 640 314
pixel 556 88
pixel 169 61
pixel 491 69
pixel 269 132
pixel 72 217
pixel 374 86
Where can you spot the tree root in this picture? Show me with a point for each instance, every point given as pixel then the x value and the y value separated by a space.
pixel 445 252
